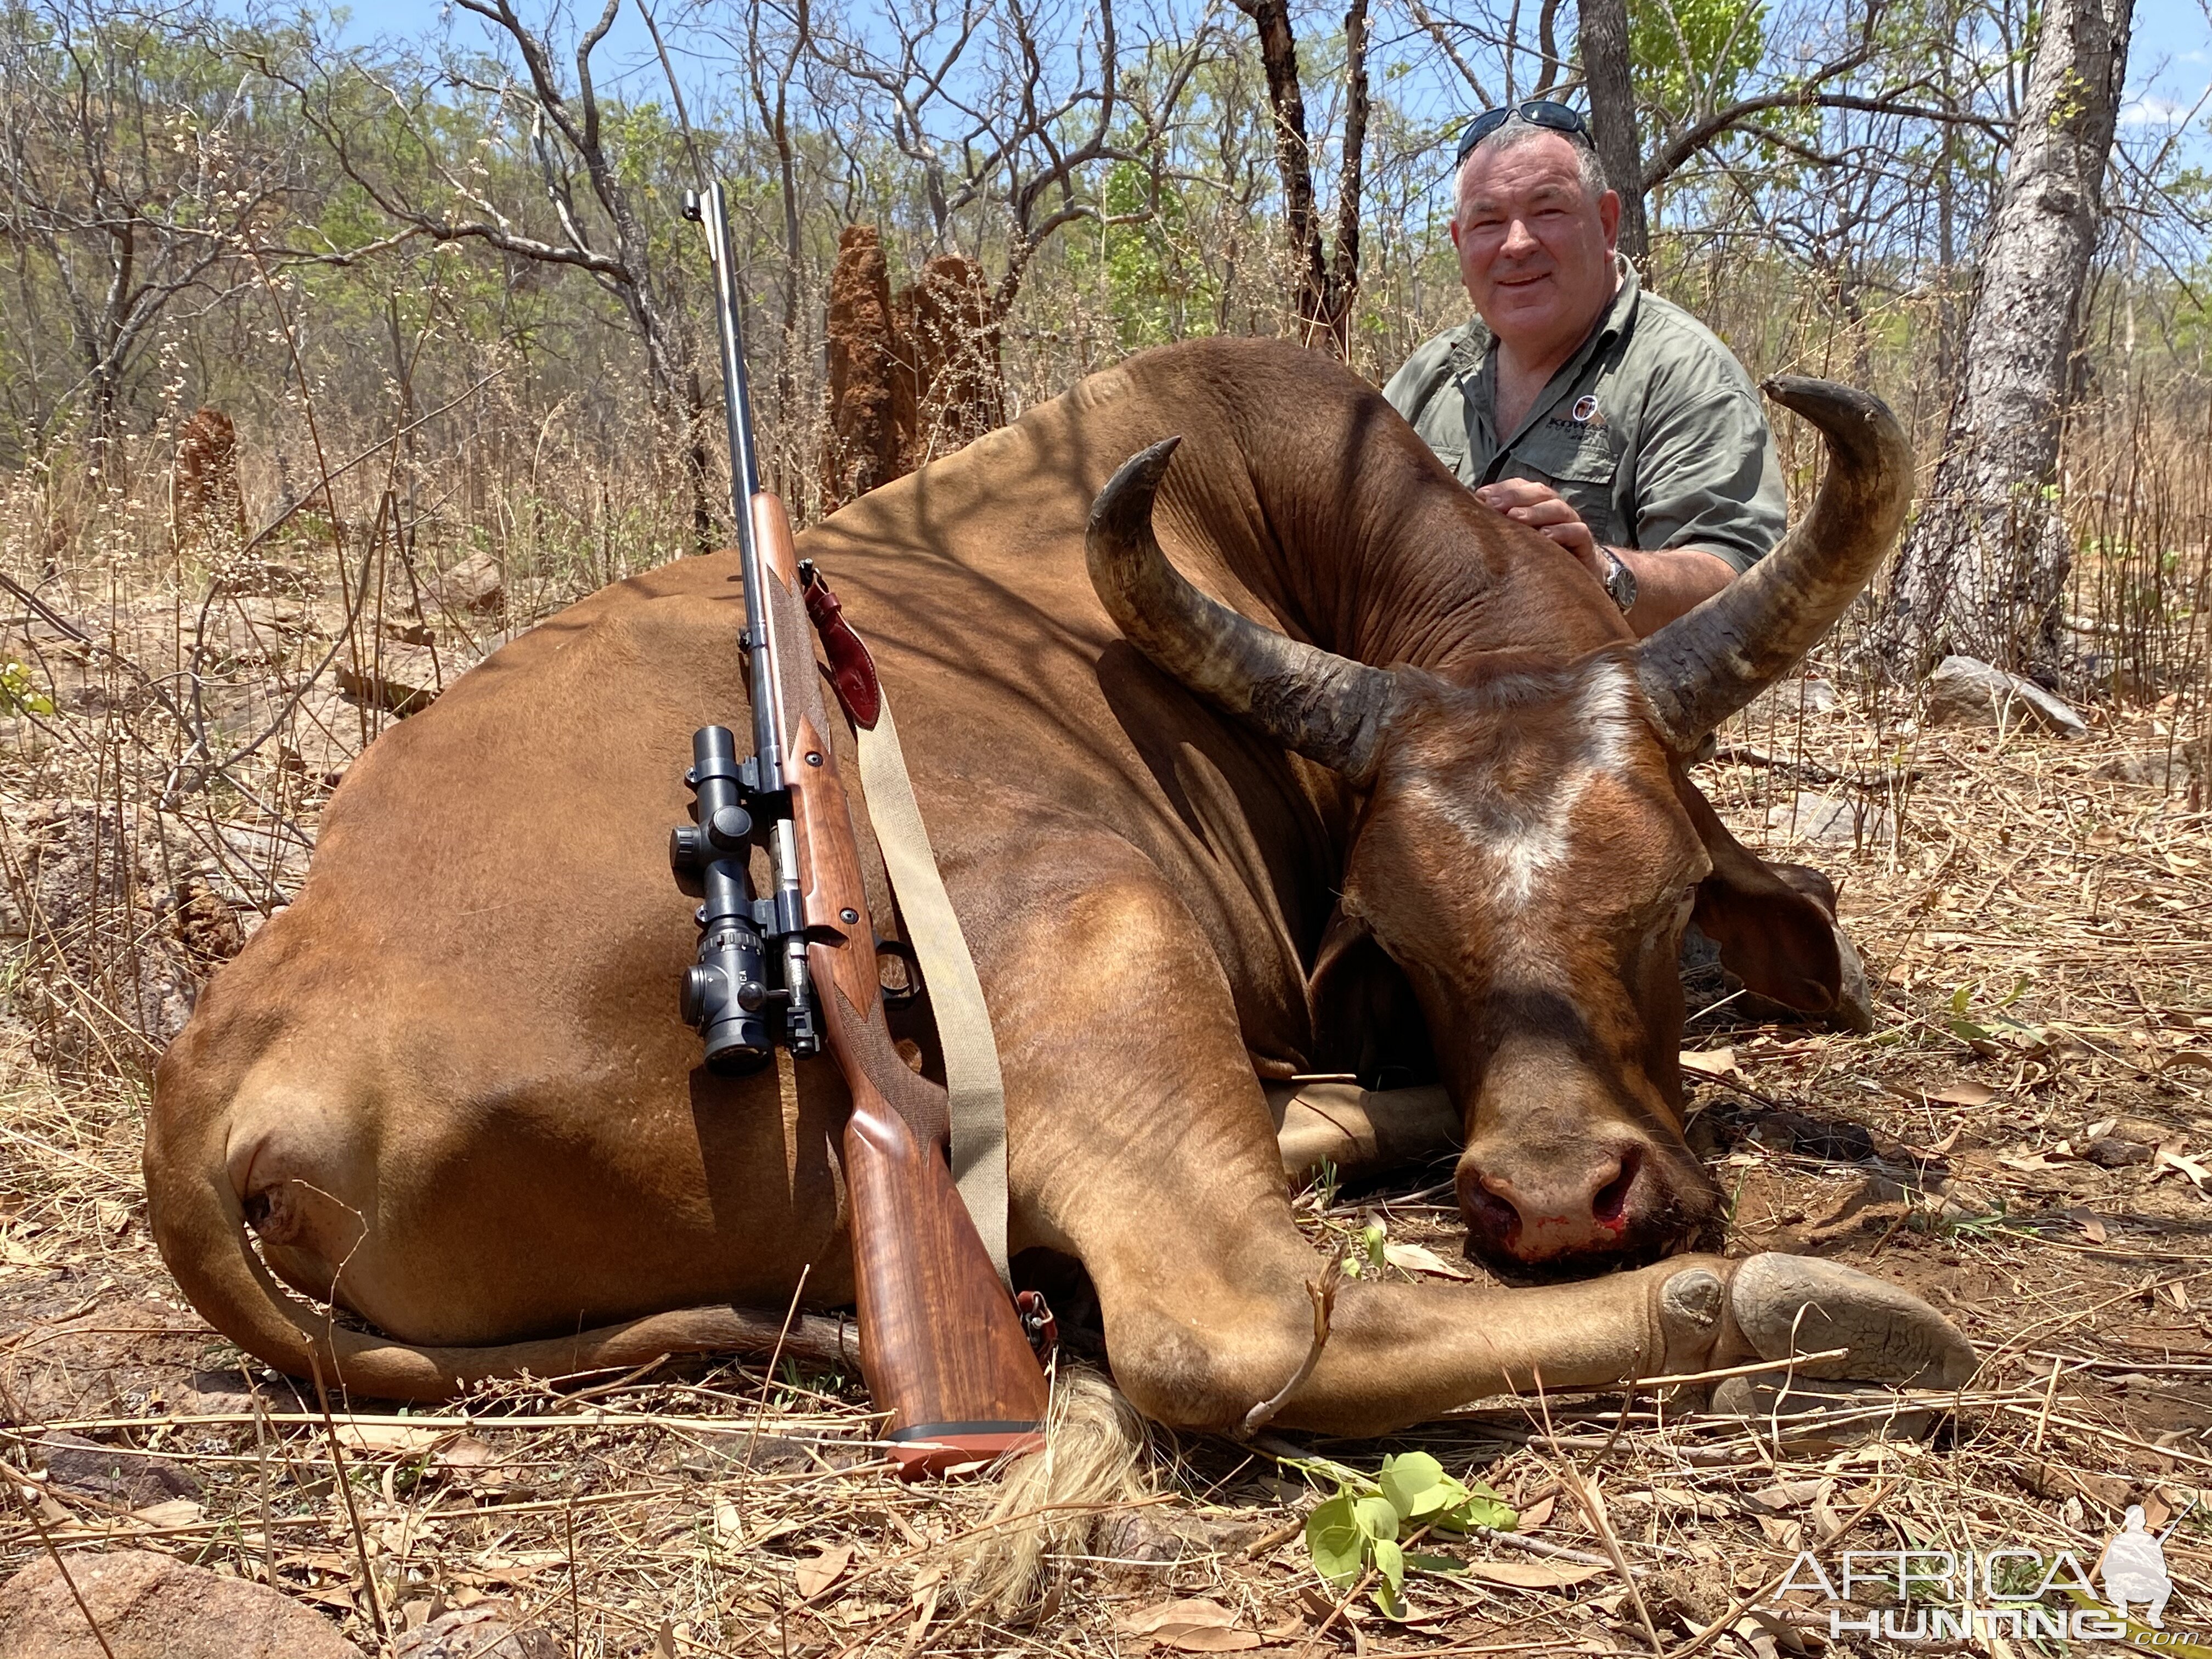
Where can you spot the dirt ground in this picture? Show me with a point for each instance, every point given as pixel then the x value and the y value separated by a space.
pixel 2025 1138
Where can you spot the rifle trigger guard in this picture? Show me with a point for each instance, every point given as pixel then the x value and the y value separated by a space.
pixel 904 952
pixel 1038 1324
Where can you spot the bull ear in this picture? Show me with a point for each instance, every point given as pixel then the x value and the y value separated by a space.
pixel 1775 935
pixel 1363 1008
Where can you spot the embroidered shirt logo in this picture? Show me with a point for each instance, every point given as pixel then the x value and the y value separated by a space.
pixel 1585 410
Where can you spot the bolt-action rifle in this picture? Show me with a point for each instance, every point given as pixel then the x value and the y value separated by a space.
pixel 942 1346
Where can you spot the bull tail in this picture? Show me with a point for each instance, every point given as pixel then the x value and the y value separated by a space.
pixel 199 1224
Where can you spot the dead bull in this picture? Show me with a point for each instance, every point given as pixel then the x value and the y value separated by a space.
pixel 449 1090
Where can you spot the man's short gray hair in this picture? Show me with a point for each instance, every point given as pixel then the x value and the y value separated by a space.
pixel 1516 131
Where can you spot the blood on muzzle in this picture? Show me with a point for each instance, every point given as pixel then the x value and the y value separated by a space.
pixel 1539 1205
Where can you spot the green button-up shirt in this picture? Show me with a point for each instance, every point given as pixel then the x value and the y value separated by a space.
pixel 1652 431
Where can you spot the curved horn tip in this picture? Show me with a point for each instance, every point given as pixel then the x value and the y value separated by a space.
pixel 1126 500
pixel 1857 419
pixel 1815 398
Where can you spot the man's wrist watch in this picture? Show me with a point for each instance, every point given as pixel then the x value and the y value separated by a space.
pixel 1619 580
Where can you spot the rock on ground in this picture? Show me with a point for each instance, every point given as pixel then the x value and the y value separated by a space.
pixel 110 1473
pixel 1966 692
pixel 1810 817
pixel 149 1606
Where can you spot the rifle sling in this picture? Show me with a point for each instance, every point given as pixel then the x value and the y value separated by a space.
pixel 973 1081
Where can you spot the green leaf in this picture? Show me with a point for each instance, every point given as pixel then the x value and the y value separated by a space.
pixel 1373 1239
pixel 1481 1508
pixel 1335 1540
pixel 1961 997
pixel 1422 1561
pixel 1376 1517
pixel 1416 1485
pixel 18 695
pixel 1390 1561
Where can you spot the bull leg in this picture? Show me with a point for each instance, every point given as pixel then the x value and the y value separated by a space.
pixel 1144 1147
pixel 1360 1132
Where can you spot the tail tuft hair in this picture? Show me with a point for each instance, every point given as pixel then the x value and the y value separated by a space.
pixel 1052 1502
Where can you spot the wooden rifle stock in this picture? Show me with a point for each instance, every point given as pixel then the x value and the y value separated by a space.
pixel 941 1345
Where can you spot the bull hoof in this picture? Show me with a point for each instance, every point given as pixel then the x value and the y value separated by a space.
pixel 1786 1304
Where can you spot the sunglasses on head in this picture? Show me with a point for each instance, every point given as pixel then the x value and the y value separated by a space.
pixel 1537 112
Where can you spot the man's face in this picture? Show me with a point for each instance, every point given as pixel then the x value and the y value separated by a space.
pixel 1534 250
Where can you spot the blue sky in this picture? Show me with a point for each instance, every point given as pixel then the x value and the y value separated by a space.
pixel 2170 67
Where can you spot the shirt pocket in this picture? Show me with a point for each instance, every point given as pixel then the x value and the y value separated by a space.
pixel 1581 464
pixel 1452 452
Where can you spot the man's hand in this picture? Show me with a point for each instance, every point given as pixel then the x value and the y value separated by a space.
pixel 1668 581
pixel 1542 508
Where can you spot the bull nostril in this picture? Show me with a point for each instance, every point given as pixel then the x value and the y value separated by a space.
pixel 1488 1212
pixel 1610 1202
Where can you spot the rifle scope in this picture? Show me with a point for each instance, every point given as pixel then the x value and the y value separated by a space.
pixel 726 995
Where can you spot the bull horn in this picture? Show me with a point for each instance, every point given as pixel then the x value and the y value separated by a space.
pixel 1327 708
pixel 1704 665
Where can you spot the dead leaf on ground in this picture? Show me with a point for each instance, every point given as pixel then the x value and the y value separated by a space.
pixel 2172 1158
pixel 1204 1638
pixel 175 1512
pixel 1710 1062
pixel 387 1439
pixel 1536 1514
pixel 1783 1496
pixel 1194 1610
pixel 1420 1258
pixel 826 1568
pixel 1964 1093
pixel 1784 1534
pixel 1533 1575
pixel 1191 1626
pixel 2092 1226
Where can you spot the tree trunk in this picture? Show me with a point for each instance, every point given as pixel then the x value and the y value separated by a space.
pixel 1613 117
pixel 1279 59
pixel 1322 289
pixel 1984 567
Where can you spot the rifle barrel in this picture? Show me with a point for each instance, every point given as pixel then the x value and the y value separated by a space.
pixel 744 484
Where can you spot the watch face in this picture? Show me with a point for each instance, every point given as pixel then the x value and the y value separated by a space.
pixel 1619 581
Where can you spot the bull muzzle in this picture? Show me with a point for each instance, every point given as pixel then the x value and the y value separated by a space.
pixel 1594 1201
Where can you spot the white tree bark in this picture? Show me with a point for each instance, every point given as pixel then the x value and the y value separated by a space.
pixel 1985 566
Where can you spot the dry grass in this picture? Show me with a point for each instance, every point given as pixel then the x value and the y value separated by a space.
pixel 717 1499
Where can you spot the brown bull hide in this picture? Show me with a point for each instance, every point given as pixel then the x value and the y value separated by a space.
pixel 450 1088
